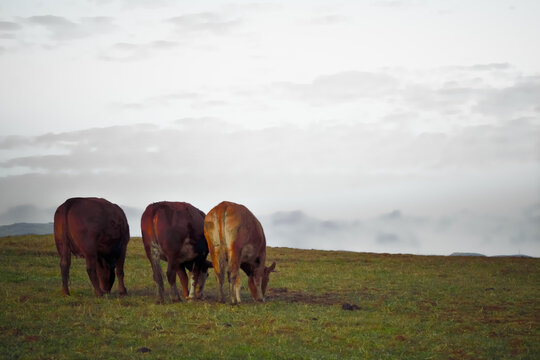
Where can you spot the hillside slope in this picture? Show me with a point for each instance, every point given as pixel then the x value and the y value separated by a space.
pixel 25 229
pixel 320 304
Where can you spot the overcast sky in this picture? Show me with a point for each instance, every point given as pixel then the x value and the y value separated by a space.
pixel 388 126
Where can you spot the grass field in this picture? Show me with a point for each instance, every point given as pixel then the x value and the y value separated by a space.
pixel 410 307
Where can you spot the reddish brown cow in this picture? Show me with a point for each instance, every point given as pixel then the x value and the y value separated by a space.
pixel 236 241
pixel 173 231
pixel 98 231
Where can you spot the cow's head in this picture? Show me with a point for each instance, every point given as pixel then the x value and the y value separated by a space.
pixel 197 290
pixel 266 276
pixel 106 276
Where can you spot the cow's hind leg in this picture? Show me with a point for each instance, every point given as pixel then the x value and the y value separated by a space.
pixel 220 263
pixel 122 291
pixel 184 281
pixel 234 283
pixel 220 279
pixel 156 270
pixel 65 263
pixel 171 277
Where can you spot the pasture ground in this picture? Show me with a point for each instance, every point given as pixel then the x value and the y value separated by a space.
pixel 409 307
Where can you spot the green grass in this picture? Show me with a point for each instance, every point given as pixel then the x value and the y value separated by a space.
pixel 410 307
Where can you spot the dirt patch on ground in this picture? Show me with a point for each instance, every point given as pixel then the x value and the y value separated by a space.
pixel 295 296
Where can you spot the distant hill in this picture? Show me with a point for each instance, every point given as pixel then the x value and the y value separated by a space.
pixel 482 255
pixel 25 229
pixel 516 255
pixel 466 254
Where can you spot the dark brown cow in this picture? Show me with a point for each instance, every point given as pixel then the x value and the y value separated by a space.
pixel 98 231
pixel 173 231
pixel 236 241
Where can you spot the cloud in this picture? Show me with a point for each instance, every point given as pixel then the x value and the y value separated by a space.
pixel 160 100
pixel 204 22
pixel 124 51
pixel 349 150
pixel 515 141
pixel 394 215
pixel 61 28
pixel 386 238
pixel 329 20
pixel 484 67
pixel 51 21
pixel 134 3
pixel 330 167
pixel 9 26
pixel 520 99
pixel 478 94
pixel 344 86
pixel 8 31
pixel 391 3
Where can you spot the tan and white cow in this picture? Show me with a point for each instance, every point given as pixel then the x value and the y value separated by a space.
pixel 236 241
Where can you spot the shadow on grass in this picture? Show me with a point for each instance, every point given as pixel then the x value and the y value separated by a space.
pixel 273 294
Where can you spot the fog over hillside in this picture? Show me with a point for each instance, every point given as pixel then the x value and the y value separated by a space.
pixel 396 232
pixel 393 232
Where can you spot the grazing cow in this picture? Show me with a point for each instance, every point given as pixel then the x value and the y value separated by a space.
pixel 173 231
pixel 98 231
pixel 236 241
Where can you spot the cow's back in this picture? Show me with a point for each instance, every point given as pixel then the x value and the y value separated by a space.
pixel 94 220
pixel 169 224
pixel 232 228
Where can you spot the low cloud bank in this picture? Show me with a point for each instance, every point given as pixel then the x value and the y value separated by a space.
pixel 396 232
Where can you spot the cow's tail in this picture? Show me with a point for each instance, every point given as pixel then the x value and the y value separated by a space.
pixel 223 236
pixel 153 232
pixel 148 229
pixel 68 241
pixel 59 226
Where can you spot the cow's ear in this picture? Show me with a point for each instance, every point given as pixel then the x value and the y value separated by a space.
pixel 272 267
pixel 209 264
